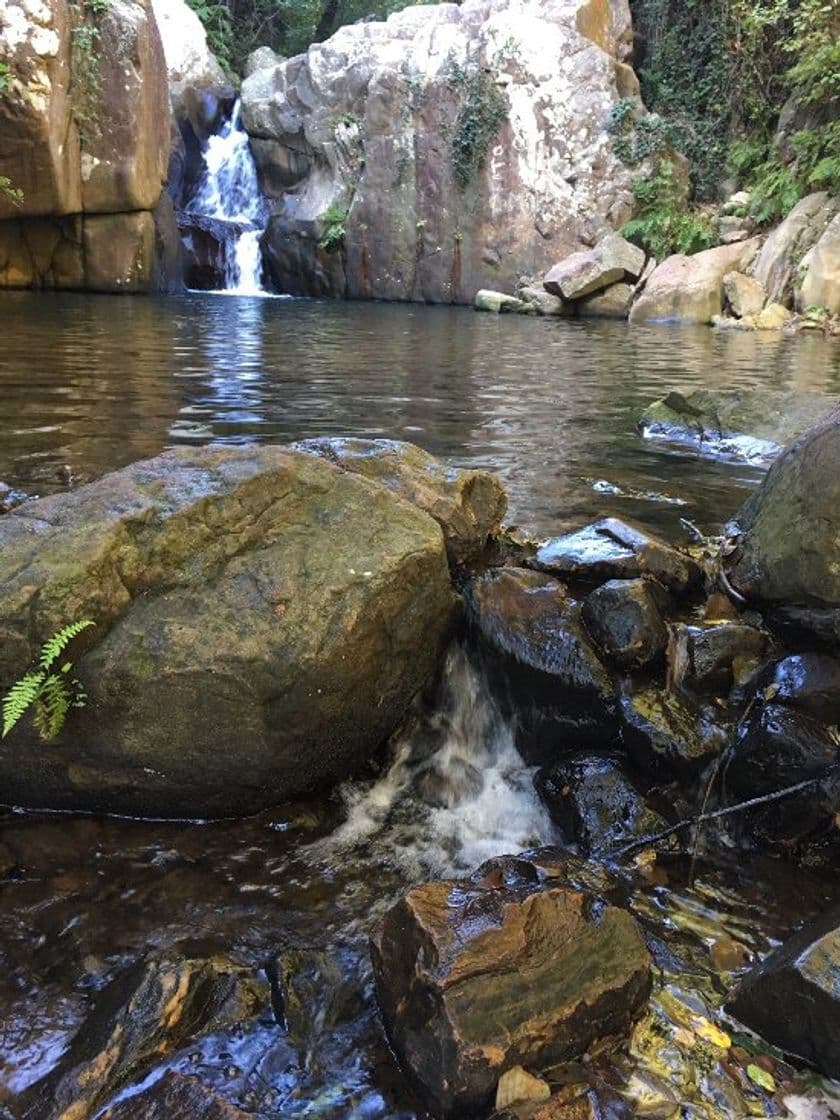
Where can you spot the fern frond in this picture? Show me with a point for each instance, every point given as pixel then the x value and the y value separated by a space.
pixel 53 648
pixel 19 698
pixel 51 706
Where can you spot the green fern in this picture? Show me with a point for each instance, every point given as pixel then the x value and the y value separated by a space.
pixel 49 695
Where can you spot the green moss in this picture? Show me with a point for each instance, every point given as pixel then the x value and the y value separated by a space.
pixel 483 109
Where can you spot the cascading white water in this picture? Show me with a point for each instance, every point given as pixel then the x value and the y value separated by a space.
pixel 229 191
pixel 457 791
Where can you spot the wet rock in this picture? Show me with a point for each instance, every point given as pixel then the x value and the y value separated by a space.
pixel 624 617
pixel 541 661
pixel 781 747
pixel 263 622
pixel 486 300
pixel 744 294
pixel 473 981
pixel 583 273
pixel 781 256
pixel 712 658
pixel 314 992
pixel 809 681
pixel 789 528
pixel 152 1010
pixel 813 625
pixel 751 424
pixel 793 997
pixel 10 498
pixel 690 289
pixel 175 1096
pixel 663 734
pixel 468 505
pixel 613 303
pixel 594 802
pixel 613 549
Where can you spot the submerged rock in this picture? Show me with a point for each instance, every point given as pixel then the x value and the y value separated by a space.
pixel 150 1011
pixel 750 424
pixel 780 747
pixel 468 505
pixel 595 804
pixel 614 549
pixel 789 528
pixel 487 300
pixel 809 681
pixel 613 303
pixel 625 619
pixel 663 735
pixel 474 979
pixel 541 661
pixel 176 1096
pixel 793 997
pixel 263 622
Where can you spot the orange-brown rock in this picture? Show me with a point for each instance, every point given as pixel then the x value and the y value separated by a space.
pixel 474 978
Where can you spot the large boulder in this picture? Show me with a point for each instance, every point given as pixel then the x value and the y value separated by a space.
pixel 779 264
pixel 85 137
pixel 789 528
pixel 466 144
pixel 263 621
pixel 589 271
pixel 747 424
pixel 198 85
pixel 475 977
pixel 690 289
pixel 821 283
pixel 468 505
pixel 793 997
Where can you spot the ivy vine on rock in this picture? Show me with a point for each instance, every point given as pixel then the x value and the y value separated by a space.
pixel 484 107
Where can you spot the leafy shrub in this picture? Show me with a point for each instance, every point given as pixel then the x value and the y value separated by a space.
pixel 334 223
pixel 49 692
pixel 662 225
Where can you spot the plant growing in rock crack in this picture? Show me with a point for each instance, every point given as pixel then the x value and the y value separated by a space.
pixel 50 690
pixel 85 84
pixel 333 222
pixel 484 108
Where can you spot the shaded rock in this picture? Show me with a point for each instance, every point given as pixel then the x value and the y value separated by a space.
pixel 790 525
pixel 751 424
pixel 175 1096
pixel 812 624
pixel 781 255
pixel 712 658
pixel 468 505
pixel 377 119
pixel 801 979
pixel 781 747
pixel 595 804
pixel 264 620
pixel 612 260
pixel 209 249
pixel 199 89
pixel 152 1010
pixel 541 661
pixel 474 981
pixel 613 303
pixel 744 294
pixel 663 735
pixel 690 289
pixel 10 498
pixel 624 617
pixel 486 300
pixel 541 302
pixel 809 681
pixel 821 283
pixel 614 549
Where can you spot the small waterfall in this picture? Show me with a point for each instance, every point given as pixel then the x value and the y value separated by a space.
pixel 457 791
pixel 228 200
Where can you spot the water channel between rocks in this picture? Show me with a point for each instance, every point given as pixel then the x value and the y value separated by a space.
pixel 88 384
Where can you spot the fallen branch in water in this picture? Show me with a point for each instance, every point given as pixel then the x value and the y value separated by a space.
pixel 753 803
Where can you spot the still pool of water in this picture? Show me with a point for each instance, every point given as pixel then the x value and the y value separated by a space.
pixel 88 384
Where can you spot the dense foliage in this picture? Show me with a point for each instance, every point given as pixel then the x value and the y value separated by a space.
pixel 721 72
pixel 236 27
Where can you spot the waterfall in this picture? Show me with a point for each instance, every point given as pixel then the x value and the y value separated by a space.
pixel 228 194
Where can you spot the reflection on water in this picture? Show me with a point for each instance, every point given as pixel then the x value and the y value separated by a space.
pixel 92 382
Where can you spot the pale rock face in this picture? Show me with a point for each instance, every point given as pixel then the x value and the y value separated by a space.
pixel 778 265
pixel 190 62
pixel 821 283
pixel 690 289
pixel 365 121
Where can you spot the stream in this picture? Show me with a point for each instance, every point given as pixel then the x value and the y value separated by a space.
pixel 91 383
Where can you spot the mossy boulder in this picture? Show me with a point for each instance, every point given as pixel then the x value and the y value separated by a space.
pixel 263 621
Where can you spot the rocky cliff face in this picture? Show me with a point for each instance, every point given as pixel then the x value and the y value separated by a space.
pixel 448 149
pixel 84 142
